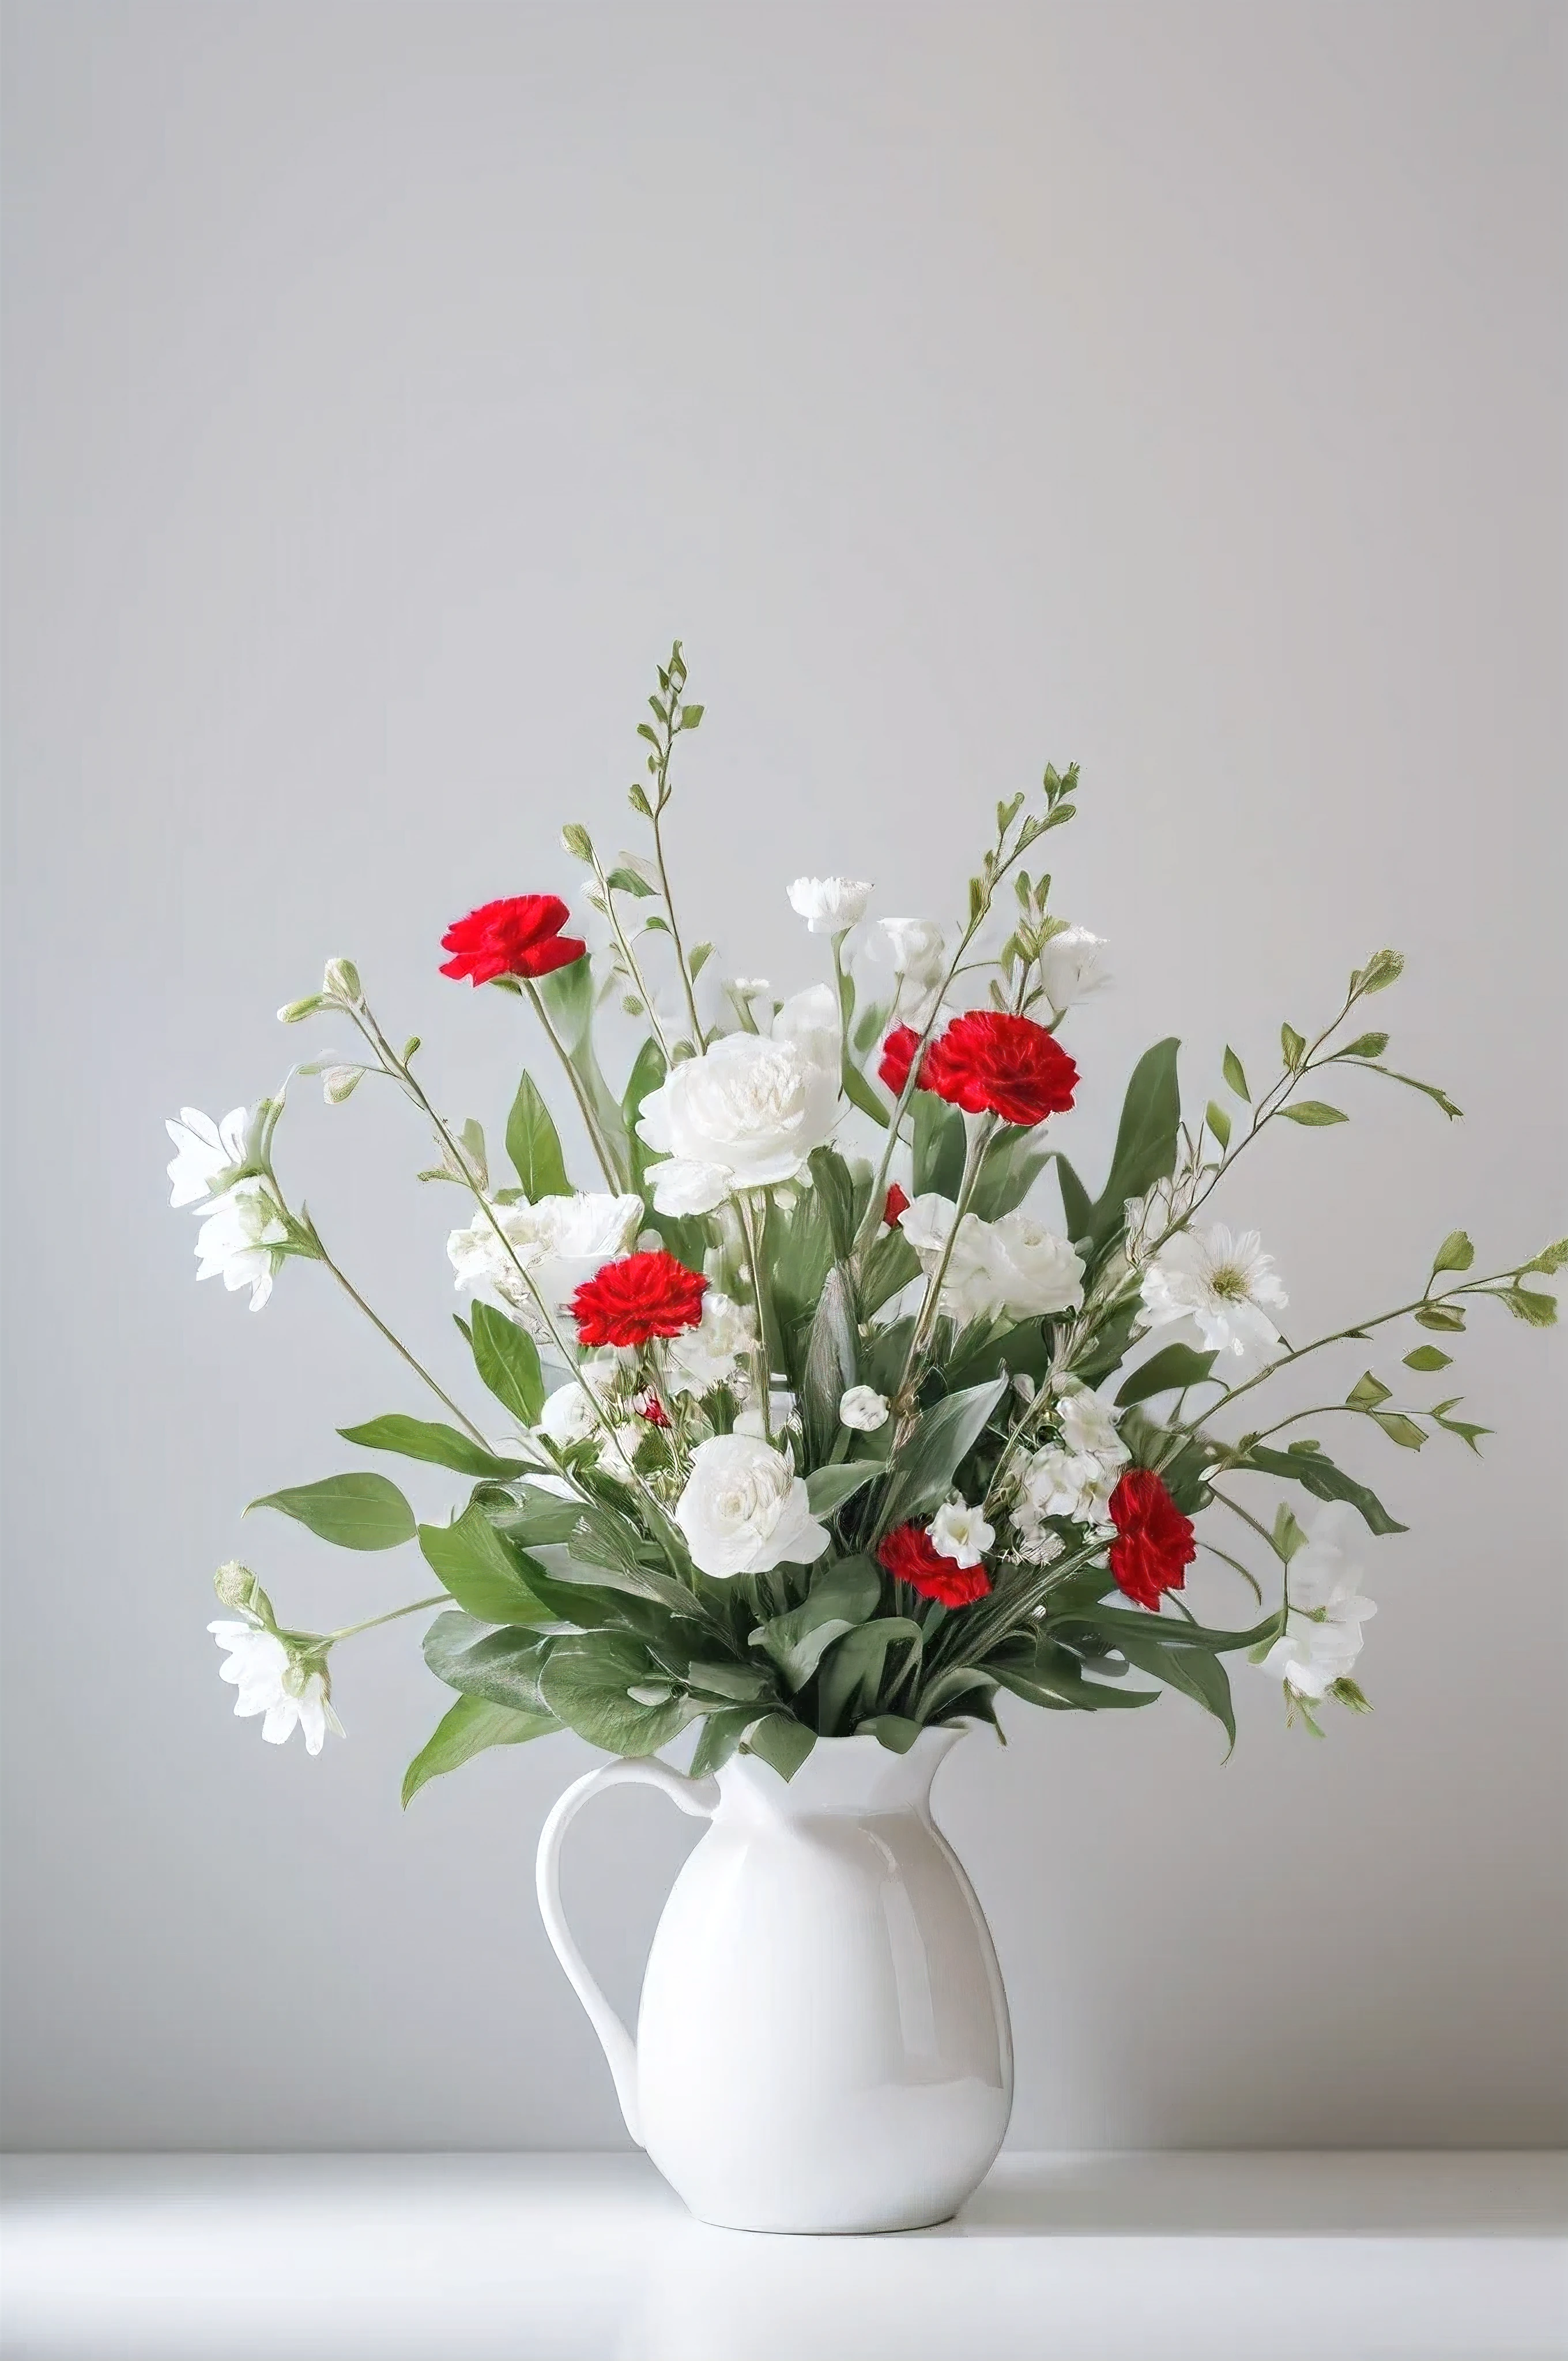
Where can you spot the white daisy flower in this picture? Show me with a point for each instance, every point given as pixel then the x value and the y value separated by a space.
pixel 271 1682
pixel 1321 1637
pixel 1221 1280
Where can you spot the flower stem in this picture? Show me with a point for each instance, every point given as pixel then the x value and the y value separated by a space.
pixel 606 1161
pixel 463 1421
pixel 349 1631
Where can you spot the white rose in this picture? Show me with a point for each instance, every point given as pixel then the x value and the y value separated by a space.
pixel 1321 1637
pixel 1071 967
pixel 745 1511
pixel 829 905
pixel 560 1242
pixel 968 1286
pixel 1032 1271
pixel 706 1355
pixel 568 1416
pixel 863 1408
pixel 746 1115
pixel 961 1532
pixel 811 1019
pixel 1087 1425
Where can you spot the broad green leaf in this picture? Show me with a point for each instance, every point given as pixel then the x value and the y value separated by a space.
pixel 627 881
pixel 470 1727
pixel 503 1665
pixel 1382 969
pixel 859 1093
pixel 829 1369
pixel 942 1692
pixel 485 1573
pixel 1077 1212
pixel 533 1144
pixel 1013 1162
pixel 1550 1258
pixel 587 1682
pixel 647 1074
pixel 891 1264
pixel 1286 1537
pixel 1166 1371
pixel 444 1446
pixel 1219 1123
pixel 1365 1045
pixel 1314 1113
pixel 363 1512
pixel 1145 1138
pixel 1042 1673
pixel 1234 1075
pixel 922 1471
pixel 742 1684
pixel 1319 1476
pixel 1428 1090
pixel 1367 1392
pixel 1427 1358
pixel 939 1155
pixel 843 1598
pixel 853 1667
pixel 782 1742
pixel 1447 1318
pixel 1466 1431
pixel 1118 1623
pixel 506 1360
pixel 533 1519
pixel 1457 1252
pixel 1398 1429
pixel 1292 1047
pixel 1528 1303
pixel 894 1731
pixel 828 1488
pixel 721 1734
pixel 1193 1671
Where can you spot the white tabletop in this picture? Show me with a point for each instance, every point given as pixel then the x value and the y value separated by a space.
pixel 591 2258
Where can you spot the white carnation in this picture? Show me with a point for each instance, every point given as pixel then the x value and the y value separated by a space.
pixel 1088 1425
pixel 747 1114
pixel 829 905
pixel 1321 1637
pixel 863 1409
pixel 706 1356
pixel 568 1416
pixel 560 1242
pixel 967 1285
pixel 1033 1271
pixel 1224 1283
pixel 745 1511
pixel 1071 967
pixel 961 1532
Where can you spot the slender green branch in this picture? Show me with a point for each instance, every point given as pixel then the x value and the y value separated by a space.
pixel 607 1163
pixel 463 1421
pixel 350 1631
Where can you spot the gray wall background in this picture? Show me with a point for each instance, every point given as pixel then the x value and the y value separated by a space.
pixel 1175 387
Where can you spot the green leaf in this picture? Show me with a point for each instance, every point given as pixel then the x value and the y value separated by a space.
pixel 852 1666
pixel 1042 1673
pixel 1427 1090
pixel 1166 1371
pixel 894 1731
pixel 1448 1318
pixel 1457 1252
pixel 1367 1392
pixel 828 1369
pixel 1077 1212
pixel 1528 1305
pixel 586 1684
pixel 1286 1536
pixel 1234 1075
pixel 1365 1045
pixel 1382 969
pixel 444 1446
pixel 1317 1474
pixel 1314 1113
pixel 502 1666
pixel 838 1600
pixel 628 881
pixel 1550 1258
pixel 1427 1358
pixel 700 955
pixel 363 1512
pixel 485 1573
pixel 1013 1162
pixel 1118 1623
pixel 647 1074
pixel 721 1734
pixel 1194 1671
pixel 533 1144
pixel 782 1742
pixel 938 1156
pixel 506 1360
pixel 1292 1047
pixel 828 1488
pixel 1466 1431
pixel 1145 1138
pixel 471 1726
pixel 922 1471
pixel 1219 1123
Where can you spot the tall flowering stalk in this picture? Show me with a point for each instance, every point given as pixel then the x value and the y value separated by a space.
pixel 842 1405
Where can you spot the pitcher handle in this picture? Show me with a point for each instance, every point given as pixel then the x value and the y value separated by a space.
pixel 697 1796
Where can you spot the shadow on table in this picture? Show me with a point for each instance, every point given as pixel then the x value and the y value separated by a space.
pixel 1354 2195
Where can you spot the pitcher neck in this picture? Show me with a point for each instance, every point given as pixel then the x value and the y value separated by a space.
pixel 852 1776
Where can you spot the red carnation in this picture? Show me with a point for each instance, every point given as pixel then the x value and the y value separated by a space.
pixel 1153 1545
pixel 641 1295
pixel 522 937
pixel 910 1555
pixel 897 1054
pixel 653 1410
pixel 897 1203
pixel 989 1063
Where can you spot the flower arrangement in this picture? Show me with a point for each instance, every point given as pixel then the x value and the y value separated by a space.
pixel 787 1436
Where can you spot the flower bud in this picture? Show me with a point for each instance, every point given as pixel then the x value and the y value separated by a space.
pixel 341 980
pixel 237 1587
pixel 577 841
pixel 295 1011
pixel 340 1082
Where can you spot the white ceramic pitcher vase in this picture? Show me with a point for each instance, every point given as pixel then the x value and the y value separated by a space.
pixel 823 2041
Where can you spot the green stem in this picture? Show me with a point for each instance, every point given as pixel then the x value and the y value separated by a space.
pixel 762 1355
pixel 698 1036
pixel 349 1631
pixel 395 1343
pixel 608 1163
pixel 981 1131
pixel 632 965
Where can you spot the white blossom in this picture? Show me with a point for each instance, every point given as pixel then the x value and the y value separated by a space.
pixel 967 1285
pixel 863 1409
pixel 812 1020
pixel 1057 1482
pixel 1034 1540
pixel 204 1151
pixel 745 1511
pixel 751 987
pixel 271 1682
pixel 1014 1265
pixel 1071 967
pixel 747 1114
pixel 1225 1283
pixel 1087 1424
pixel 706 1355
pixel 961 1532
pixel 919 953
pixel 568 1416
pixel 560 1242
pixel 829 905
pixel 1147 1219
pixel 238 1241
pixel 1321 1637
